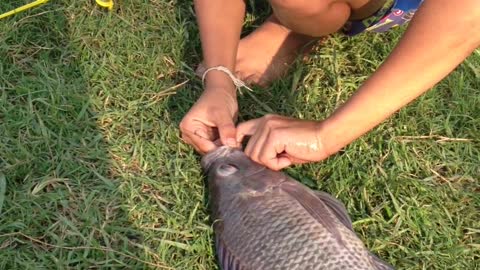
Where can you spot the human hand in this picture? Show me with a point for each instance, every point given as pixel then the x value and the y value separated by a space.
pixel 211 118
pixel 278 142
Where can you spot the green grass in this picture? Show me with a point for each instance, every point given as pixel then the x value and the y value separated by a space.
pixel 96 176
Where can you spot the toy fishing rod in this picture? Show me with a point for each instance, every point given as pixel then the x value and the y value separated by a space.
pixel 23 8
pixel 103 3
pixel 108 4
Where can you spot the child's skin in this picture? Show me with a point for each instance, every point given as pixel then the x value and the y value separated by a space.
pixel 440 36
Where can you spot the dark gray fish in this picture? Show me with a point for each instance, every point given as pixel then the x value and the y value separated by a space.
pixel 265 220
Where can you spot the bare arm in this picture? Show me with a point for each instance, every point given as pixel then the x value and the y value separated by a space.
pixel 212 116
pixel 441 35
pixel 220 23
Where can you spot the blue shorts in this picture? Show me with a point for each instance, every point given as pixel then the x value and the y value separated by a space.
pixel 394 13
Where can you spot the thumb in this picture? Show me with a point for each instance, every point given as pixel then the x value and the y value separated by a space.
pixel 227 130
pixel 292 159
pixel 247 128
pixel 279 163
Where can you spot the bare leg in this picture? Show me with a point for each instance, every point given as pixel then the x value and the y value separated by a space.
pixel 266 54
pixel 279 48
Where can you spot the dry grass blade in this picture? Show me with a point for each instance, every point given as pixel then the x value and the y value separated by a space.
pixel 437 138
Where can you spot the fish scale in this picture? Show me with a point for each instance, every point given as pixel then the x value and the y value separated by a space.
pixel 265 220
pixel 296 243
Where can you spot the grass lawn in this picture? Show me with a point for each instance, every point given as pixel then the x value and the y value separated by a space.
pixel 95 174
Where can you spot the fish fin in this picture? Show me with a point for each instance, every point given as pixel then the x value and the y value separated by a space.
pixel 313 205
pixel 337 207
pixel 379 263
pixel 226 259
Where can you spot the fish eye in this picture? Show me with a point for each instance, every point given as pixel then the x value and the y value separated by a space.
pixel 227 169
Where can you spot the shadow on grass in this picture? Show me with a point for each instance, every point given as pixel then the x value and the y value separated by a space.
pixel 61 207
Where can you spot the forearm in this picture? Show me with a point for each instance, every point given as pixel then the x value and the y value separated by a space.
pixel 220 24
pixel 433 45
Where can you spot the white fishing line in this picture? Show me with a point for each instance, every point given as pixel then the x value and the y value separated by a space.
pixel 236 81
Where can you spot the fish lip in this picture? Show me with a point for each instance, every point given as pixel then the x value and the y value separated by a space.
pixel 213 155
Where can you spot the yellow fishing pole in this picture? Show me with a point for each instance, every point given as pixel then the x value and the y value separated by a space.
pixel 105 3
pixel 23 8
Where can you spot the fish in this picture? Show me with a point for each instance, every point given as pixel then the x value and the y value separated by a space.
pixel 264 219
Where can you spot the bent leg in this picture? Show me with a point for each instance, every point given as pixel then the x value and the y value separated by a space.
pixel 266 54
pixel 313 18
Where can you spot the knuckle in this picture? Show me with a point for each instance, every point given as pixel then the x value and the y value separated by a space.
pixel 263 158
pixel 266 162
pixel 226 125
pixel 270 123
pixel 272 120
pixel 247 151
pixel 274 135
pixel 270 164
pixel 269 116
pixel 254 157
pixel 182 125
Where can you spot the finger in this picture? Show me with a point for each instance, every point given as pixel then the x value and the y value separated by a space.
pixel 188 141
pixel 202 144
pixel 198 128
pixel 199 139
pixel 252 143
pixel 273 147
pixel 227 130
pixel 274 153
pixel 247 128
pixel 295 160
pixel 278 163
pixel 262 135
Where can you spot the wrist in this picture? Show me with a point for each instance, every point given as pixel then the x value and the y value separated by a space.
pixel 216 79
pixel 326 146
pixel 222 90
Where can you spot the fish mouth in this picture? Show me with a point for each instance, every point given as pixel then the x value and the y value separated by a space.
pixel 213 155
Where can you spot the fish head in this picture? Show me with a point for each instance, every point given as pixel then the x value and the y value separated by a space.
pixel 231 172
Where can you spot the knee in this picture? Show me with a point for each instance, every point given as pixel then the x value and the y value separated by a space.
pixel 311 18
pixel 305 8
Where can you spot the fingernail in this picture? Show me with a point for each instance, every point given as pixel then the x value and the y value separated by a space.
pixel 232 142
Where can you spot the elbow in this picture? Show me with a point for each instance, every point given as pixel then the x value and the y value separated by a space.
pixel 467 26
pixel 461 20
pixel 476 27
